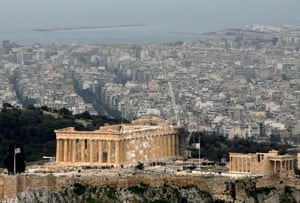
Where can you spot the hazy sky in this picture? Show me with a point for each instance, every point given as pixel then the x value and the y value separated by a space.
pixel 18 18
pixel 74 12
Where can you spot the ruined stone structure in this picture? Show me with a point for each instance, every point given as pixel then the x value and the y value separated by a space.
pixel 262 163
pixel 116 145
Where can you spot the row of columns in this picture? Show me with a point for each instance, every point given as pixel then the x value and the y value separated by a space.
pixel 240 164
pixel 94 152
pixel 114 152
pixel 167 146
pixel 283 166
pixel 243 164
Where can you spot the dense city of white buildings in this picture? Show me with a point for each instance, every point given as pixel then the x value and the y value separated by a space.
pixel 246 84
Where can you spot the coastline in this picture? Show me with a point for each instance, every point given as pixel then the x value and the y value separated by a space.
pixel 88 27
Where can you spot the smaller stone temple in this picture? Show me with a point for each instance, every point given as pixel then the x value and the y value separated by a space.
pixel 116 145
pixel 262 163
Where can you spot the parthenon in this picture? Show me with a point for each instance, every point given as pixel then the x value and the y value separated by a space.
pixel 116 145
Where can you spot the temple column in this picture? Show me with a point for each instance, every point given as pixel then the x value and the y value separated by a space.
pixel 77 150
pixel 74 151
pixel 137 152
pixel 65 151
pixel 242 164
pixel 169 147
pixel 69 150
pixel 91 150
pixel 82 143
pixel 160 143
pixel 163 146
pixel 109 152
pixel 166 145
pixel 100 152
pixel 121 151
pixel 117 153
pixel 57 150
pixel 152 145
pixel 124 151
pixel 61 151
pixel 157 146
pixel 177 145
pixel 148 150
pixel 173 145
pixel 235 163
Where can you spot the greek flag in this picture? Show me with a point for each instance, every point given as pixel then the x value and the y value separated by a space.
pixel 18 150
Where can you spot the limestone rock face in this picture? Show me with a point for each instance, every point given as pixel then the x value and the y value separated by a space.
pixel 132 194
pixel 145 188
pixel 41 195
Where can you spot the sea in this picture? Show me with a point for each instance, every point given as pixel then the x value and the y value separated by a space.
pixel 164 20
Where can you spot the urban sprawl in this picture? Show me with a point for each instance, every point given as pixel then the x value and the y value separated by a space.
pixel 243 83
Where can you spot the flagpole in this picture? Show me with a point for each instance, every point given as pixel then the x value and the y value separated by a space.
pixel 17 150
pixel 15 160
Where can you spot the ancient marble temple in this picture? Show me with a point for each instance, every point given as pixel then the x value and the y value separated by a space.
pixel 116 145
pixel 262 163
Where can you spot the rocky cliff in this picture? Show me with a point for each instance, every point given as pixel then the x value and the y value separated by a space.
pixel 133 194
pixel 34 188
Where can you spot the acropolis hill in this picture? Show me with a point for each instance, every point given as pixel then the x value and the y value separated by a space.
pixel 63 187
pixel 95 166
